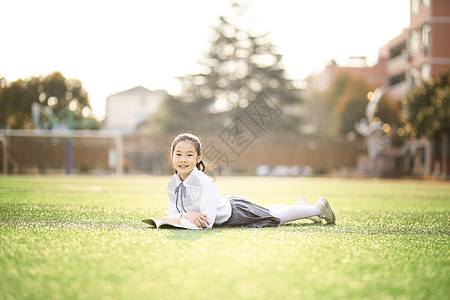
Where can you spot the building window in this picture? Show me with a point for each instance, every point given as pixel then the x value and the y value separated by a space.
pixel 414 7
pixel 425 72
pixel 399 78
pixel 426 35
pixel 397 50
pixel 413 76
pixel 414 42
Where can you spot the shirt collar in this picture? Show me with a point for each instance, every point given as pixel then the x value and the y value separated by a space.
pixel 188 179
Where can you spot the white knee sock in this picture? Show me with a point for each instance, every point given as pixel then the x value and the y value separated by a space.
pixel 294 212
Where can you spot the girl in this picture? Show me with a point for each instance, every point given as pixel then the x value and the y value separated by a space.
pixel 195 201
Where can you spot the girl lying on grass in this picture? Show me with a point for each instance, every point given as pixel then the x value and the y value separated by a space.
pixel 195 201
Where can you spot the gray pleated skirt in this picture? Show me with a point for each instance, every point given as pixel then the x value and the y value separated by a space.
pixel 247 214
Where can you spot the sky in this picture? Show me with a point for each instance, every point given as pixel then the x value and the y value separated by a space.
pixel 112 46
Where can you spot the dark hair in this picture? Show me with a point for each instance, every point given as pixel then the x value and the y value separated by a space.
pixel 195 141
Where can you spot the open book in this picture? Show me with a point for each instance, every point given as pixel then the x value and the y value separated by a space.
pixel 166 224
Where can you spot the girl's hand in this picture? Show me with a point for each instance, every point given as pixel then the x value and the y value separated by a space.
pixel 198 219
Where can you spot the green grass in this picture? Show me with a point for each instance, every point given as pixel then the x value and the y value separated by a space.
pixel 80 238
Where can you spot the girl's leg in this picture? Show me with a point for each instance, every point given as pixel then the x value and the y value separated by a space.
pixel 301 202
pixel 276 207
pixel 294 212
pixel 291 213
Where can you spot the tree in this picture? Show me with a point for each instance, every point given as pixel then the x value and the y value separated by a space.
pixel 347 100
pixel 15 100
pixel 52 93
pixel 428 114
pixel 428 108
pixel 239 66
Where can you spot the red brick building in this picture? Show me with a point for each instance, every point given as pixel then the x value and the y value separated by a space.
pixel 419 53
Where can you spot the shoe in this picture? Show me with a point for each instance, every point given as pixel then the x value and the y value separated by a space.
pixel 303 202
pixel 327 213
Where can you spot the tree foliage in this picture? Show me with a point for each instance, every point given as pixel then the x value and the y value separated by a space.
pixel 239 66
pixel 428 108
pixel 53 93
pixel 348 97
pixel 347 102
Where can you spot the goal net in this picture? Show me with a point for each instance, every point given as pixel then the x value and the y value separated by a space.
pixel 59 151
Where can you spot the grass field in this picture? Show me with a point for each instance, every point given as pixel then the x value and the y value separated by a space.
pixel 80 238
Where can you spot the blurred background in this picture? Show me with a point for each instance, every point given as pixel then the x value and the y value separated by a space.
pixel 286 88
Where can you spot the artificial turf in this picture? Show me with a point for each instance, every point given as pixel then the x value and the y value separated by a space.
pixel 81 238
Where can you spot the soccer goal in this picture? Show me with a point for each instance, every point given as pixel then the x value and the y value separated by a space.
pixel 57 151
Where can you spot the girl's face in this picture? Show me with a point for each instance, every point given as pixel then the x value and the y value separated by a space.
pixel 184 158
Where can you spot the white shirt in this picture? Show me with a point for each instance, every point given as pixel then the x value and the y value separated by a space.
pixel 202 195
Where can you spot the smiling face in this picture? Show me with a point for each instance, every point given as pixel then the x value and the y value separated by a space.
pixel 184 158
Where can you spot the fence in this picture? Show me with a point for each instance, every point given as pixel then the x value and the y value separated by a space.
pixel 287 155
pixel 105 152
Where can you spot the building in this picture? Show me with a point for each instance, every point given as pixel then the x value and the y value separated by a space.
pixel 421 51
pixel 126 110
pixel 417 54
pixel 375 75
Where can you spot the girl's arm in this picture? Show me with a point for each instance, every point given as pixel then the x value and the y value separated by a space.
pixel 172 211
pixel 195 218
pixel 198 219
pixel 209 200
